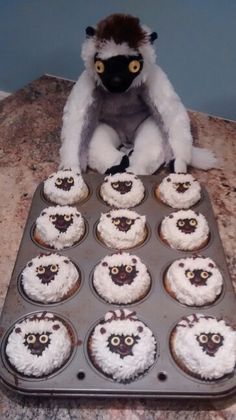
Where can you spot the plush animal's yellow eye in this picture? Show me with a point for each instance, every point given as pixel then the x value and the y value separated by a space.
pixel 134 66
pixel 99 66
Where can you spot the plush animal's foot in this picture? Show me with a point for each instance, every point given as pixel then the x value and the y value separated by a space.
pixel 178 166
pixel 119 168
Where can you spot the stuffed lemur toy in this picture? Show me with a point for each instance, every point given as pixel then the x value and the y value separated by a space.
pixel 123 113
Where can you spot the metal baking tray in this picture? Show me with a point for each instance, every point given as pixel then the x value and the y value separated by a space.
pixel 78 377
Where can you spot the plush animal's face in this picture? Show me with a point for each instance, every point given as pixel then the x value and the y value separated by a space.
pixel 117 73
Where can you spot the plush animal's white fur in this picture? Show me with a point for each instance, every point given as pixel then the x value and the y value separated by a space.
pixel 150 145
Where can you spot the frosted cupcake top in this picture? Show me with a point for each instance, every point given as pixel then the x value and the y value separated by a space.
pixel 121 278
pixel 205 345
pixel 180 191
pixel 121 228
pixel 185 229
pixel 194 280
pixel 122 190
pixel 60 226
pixel 38 345
pixel 122 346
pixel 65 187
pixel 49 278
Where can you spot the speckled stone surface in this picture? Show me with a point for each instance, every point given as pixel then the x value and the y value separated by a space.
pixel 30 123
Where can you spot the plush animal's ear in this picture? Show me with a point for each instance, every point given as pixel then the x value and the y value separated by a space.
pixel 152 37
pixel 90 31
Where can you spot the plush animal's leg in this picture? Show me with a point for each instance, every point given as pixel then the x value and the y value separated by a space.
pixel 148 154
pixel 103 153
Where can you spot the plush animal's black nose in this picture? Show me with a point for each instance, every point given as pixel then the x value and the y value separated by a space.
pixel 116 80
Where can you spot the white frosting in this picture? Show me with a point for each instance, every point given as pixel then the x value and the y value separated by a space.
pixel 184 241
pixel 179 200
pixel 115 238
pixel 179 276
pixel 52 357
pixel 77 191
pixel 51 236
pixel 126 293
pixel 112 196
pixel 191 353
pixel 64 277
pixel 121 369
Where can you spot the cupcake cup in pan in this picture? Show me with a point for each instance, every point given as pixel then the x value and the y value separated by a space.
pixel 158 310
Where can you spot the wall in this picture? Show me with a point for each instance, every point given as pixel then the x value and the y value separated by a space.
pixel 196 44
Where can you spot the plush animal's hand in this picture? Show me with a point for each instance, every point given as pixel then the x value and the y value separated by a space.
pixel 119 168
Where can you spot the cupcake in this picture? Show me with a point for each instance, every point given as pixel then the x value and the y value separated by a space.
pixel 122 190
pixel 59 227
pixel 122 229
pixel 50 278
pixel 65 187
pixel 122 347
pixel 121 279
pixel 180 191
pixel 185 230
pixel 39 345
pixel 194 281
pixel 204 346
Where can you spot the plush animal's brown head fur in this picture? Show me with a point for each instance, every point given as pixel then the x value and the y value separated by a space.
pixel 122 28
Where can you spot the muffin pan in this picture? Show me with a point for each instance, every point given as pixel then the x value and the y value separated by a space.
pixel 84 309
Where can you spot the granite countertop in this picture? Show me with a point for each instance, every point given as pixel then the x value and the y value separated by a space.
pixel 30 123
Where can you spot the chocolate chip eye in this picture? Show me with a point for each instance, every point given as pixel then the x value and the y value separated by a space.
pixel 43 338
pixel 203 338
pixel 70 180
pixel 128 183
pixel 53 218
pixel 189 274
pixel 40 269
pixel 180 222
pixel 116 222
pixel 128 268
pixel 204 275
pixel 54 268
pixel 115 341
pixel 58 181
pixel 216 338
pixel 115 185
pixel 186 185
pixel 129 341
pixel 67 217
pixel 31 339
pixel 114 270
pixel 193 222
pixel 128 221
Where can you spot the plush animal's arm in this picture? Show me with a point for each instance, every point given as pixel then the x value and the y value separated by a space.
pixel 166 105
pixel 79 121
